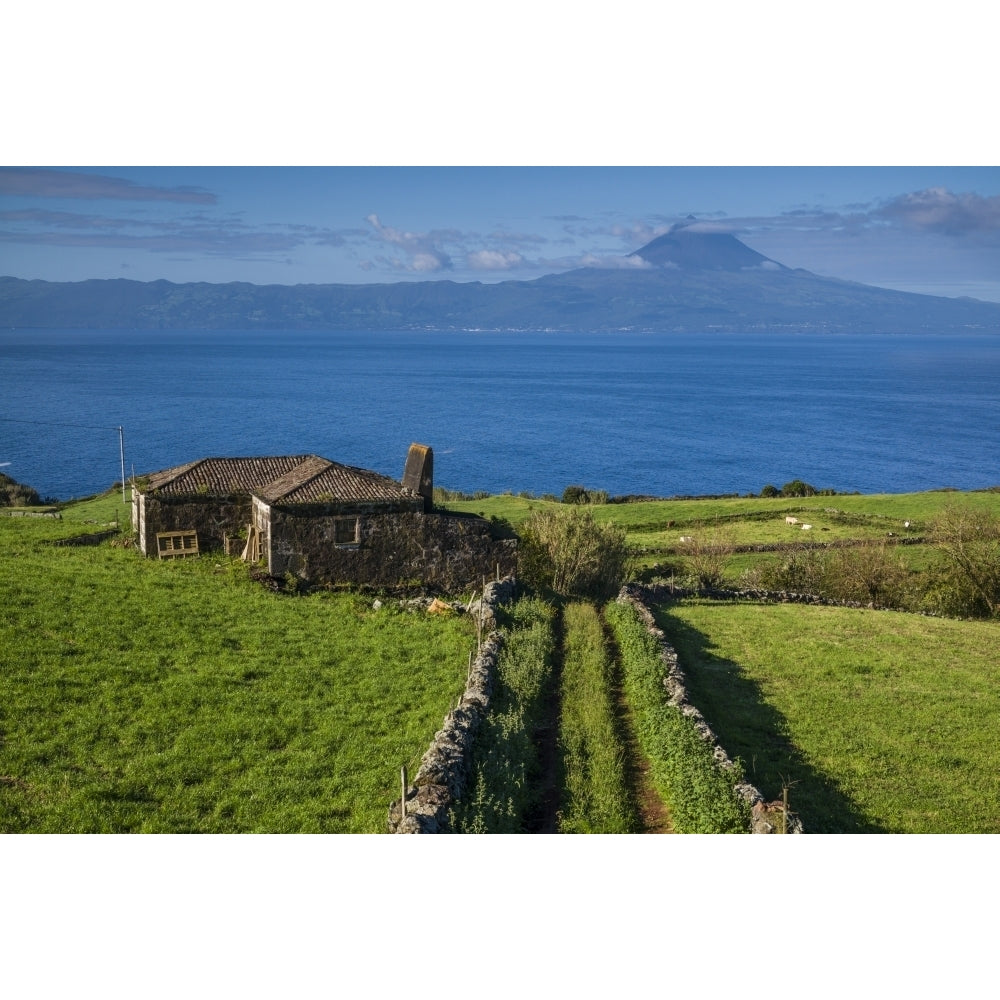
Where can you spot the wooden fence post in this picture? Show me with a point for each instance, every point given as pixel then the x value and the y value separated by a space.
pixel 402 801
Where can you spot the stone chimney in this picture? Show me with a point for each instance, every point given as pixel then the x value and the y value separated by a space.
pixel 419 474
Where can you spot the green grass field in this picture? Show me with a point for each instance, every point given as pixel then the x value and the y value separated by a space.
pixel 654 530
pixel 879 721
pixel 653 515
pixel 596 798
pixel 138 695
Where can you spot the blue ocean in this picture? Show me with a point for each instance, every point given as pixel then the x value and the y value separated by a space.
pixel 653 414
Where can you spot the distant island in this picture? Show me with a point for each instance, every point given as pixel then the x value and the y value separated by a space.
pixel 683 281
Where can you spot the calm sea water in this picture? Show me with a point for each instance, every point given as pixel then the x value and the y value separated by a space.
pixel 651 414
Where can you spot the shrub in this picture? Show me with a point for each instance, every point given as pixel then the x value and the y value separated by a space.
pixel 800 572
pixel 580 495
pixel 769 491
pixel 15 494
pixel 797 488
pixel 870 574
pixel 706 555
pixel 567 551
pixel 970 541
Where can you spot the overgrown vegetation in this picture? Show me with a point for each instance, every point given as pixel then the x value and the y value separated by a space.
pixel 796 488
pixel 698 792
pixel 970 539
pixel 15 494
pixel 581 495
pixel 872 573
pixel 505 766
pixel 596 798
pixel 567 551
pixel 705 556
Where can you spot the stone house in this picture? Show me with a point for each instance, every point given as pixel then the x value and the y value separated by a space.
pixel 325 522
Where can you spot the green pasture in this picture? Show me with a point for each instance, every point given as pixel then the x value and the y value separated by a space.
pixel 854 515
pixel 654 529
pixel 773 531
pixel 147 696
pixel 877 721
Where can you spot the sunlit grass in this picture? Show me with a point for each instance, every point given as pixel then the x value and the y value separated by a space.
pixel 878 720
pixel 596 798
pixel 138 695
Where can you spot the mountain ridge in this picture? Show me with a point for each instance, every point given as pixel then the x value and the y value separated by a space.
pixel 685 280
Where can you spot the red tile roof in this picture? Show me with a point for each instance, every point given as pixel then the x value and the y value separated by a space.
pixel 284 478
pixel 317 480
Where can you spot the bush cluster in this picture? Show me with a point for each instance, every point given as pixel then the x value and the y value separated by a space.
pixel 567 551
pixel 795 488
pixel 581 495
pixel 15 494
pixel 963 581
pixel 872 573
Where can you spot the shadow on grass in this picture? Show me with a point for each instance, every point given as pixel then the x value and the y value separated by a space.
pixel 751 729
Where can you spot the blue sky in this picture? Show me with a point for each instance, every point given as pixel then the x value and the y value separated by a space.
pixel 446 86
pixel 934 230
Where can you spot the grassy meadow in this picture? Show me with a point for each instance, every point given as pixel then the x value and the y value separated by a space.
pixel 754 519
pixel 146 696
pixel 878 721
pixel 654 528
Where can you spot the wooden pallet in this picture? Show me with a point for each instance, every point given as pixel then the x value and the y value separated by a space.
pixel 176 544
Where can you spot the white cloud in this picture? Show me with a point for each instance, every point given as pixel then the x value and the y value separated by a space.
pixel 939 210
pixel 423 248
pixel 494 260
pixel 426 262
pixel 615 262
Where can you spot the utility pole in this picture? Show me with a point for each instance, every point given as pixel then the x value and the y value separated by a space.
pixel 121 446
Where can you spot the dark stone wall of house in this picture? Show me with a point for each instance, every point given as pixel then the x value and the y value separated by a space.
pixel 446 552
pixel 212 518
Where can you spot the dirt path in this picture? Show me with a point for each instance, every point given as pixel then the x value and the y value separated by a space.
pixel 652 812
pixel 654 817
pixel 546 820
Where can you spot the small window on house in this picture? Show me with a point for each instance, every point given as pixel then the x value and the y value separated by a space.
pixel 346 531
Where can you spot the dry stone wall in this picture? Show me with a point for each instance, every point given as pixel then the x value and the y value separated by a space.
pixel 444 768
pixel 766 817
pixel 662 592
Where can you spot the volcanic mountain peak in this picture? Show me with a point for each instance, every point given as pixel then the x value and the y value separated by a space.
pixel 691 248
